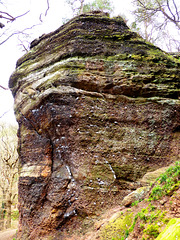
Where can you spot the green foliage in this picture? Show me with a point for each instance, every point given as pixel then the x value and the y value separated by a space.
pixel 98 5
pixel 135 203
pixel 167 183
pixel 152 208
pixel 149 215
pixel 157 192
pixel 152 230
pixel 82 6
pixel 149 219
pixel 134 222
pixel 134 27
pixel 142 226
pixel 15 215
pixel 143 214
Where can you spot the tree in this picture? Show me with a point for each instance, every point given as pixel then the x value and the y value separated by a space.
pixel 8 172
pixel 167 8
pixel 8 28
pixel 157 17
pixel 76 6
pixel 82 6
pixel 99 5
pixel 7 19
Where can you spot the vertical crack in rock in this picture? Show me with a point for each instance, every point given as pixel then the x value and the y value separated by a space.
pixel 30 122
pixel 113 172
pixel 70 174
pixel 52 155
pixel 97 108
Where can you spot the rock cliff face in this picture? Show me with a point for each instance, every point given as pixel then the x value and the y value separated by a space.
pixel 97 108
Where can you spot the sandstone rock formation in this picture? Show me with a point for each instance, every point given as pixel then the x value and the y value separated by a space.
pixel 97 108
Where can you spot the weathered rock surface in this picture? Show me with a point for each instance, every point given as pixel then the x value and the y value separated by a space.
pixel 97 108
pixel 137 195
pixel 150 177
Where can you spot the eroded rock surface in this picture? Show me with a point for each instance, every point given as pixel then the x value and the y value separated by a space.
pixel 97 108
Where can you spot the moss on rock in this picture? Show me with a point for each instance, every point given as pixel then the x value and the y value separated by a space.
pixel 172 231
pixel 118 227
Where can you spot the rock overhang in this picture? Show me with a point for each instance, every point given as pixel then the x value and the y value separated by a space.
pixel 98 36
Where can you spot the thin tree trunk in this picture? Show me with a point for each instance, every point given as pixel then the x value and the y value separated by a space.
pixel 3 211
pixel 8 211
pixel 81 7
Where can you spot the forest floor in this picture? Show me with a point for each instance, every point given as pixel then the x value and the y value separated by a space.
pixel 8 234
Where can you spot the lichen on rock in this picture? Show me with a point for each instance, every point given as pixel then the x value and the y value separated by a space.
pixel 97 108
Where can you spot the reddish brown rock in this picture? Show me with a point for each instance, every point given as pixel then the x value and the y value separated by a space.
pixel 97 108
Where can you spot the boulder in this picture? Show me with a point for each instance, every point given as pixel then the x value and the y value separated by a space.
pixel 97 108
pixel 137 195
pixel 150 177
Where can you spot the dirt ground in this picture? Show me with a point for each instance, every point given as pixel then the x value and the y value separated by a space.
pixel 8 234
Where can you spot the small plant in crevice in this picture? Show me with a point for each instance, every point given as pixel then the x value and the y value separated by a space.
pixel 142 226
pixel 152 207
pixel 135 203
pixel 152 230
pixel 126 233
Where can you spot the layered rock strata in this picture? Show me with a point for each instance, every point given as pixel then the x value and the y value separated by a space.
pixel 97 108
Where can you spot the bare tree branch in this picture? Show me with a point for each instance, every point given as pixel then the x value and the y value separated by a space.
pixel 48 6
pixel 8 37
pixel 177 13
pixel 22 44
pixel 18 33
pixel 4 88
pixel 174 18
pixel 7 16
pixel 6 112
pixel 22 15
pixel 169 8
pixel 46 12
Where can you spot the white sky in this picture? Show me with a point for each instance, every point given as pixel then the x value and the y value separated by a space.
pixel 10 52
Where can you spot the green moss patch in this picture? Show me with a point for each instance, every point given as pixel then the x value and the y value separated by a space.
pixel 172 231
pixel 118 227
